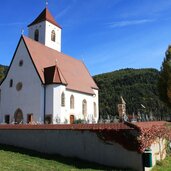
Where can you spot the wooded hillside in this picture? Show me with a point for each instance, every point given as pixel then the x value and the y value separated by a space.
pixel 137 86
pixel 3 70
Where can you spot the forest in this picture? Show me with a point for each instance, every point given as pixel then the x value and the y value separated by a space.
pixel 3 70
pixel 138 87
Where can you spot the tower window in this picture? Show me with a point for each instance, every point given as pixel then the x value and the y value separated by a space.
pixel 36 35
pixel 53 36
pixel 11 83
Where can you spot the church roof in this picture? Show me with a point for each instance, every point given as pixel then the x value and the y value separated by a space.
pixel 60 68
pixel 45 15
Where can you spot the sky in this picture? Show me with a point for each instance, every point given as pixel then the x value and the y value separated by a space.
pixel 107 35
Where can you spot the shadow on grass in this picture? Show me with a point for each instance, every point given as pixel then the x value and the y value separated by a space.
pixel 77 163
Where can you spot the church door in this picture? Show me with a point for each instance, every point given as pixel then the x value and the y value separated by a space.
pixel 71 119
pixel 18 116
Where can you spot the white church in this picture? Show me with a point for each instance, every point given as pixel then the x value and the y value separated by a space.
pixel 43 85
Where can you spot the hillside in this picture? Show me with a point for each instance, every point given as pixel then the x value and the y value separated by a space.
pixel 137 86
pixel 3 70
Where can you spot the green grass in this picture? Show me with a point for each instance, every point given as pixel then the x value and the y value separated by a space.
pixel 17 159
pixel 164 165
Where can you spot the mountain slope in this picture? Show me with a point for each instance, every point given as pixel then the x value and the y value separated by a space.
pixel 137 86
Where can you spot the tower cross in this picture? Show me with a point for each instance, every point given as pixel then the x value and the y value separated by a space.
pixel 46 3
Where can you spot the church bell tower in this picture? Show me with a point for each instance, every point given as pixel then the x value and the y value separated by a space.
pixel 46 30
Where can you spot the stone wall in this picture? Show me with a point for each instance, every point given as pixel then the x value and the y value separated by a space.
pixel 83 144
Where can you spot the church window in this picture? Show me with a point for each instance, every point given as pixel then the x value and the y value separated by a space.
pixel 72 102
pixel 36 35
pixel 84 107
pixel 21 63
pixel 63 99
pixel 53 36
pixel 95 109
pixel 19 86
pixel 11 83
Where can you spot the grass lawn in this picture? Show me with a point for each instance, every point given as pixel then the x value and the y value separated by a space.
pixel 17 159
pixel 164 165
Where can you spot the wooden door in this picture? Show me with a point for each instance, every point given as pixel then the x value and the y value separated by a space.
pixel 29 118
pixel 71 119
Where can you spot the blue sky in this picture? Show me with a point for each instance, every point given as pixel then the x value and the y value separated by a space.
pixel 107 34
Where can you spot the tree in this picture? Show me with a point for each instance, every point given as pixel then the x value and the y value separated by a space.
pixel 1 73
pixel 164 83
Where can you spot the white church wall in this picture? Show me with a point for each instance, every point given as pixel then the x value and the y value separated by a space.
pixel 64 112
pixel 49 99
pixel 30 99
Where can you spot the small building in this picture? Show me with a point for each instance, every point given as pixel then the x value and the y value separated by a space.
pixel 43 85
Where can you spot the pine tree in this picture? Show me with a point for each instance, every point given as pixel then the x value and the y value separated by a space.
pixel 164 84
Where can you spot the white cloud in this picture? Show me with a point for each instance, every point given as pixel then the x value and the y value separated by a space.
pixel 128 23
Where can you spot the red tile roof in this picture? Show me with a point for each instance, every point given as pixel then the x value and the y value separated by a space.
pixel 45 15
pixel 69 70
pixel 91 127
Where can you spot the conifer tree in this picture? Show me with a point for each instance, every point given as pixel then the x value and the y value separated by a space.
pixel 164 84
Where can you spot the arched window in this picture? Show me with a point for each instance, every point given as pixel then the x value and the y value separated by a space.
pixel 18 116
pixel 84 107
pixel 53 36
pixel 95 109
pixel 36 35
pixel 72 102
pixel 63 99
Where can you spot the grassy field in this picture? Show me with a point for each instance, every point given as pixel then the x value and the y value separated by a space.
pixel 164 165
pixel 16 159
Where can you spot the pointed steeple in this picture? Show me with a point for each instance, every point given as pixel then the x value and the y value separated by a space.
pixel 45 15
